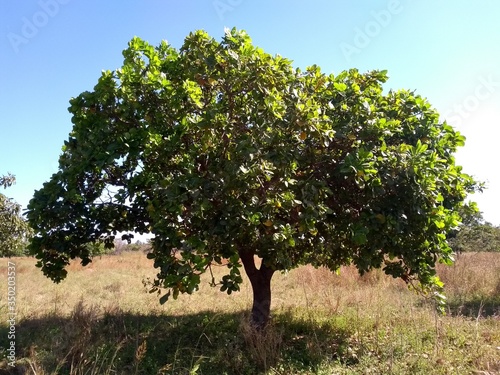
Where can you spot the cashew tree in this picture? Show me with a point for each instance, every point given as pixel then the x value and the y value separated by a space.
pixel 225 154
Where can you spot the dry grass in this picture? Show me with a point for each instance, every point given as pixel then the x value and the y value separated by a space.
pixel 111 282
pixel 101 320
pixel 473 284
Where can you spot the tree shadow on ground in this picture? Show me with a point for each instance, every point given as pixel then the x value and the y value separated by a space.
pixel 118 342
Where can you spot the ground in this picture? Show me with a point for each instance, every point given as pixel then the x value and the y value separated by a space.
pixel 101 320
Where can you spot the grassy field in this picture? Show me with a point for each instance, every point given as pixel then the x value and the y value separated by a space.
pixel 101 320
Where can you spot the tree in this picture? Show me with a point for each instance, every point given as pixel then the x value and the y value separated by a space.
pixel 14 231
pixel 220 150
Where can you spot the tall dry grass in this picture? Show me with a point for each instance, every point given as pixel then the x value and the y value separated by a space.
pixel 473 284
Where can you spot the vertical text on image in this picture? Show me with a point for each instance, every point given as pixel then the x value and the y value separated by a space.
pixel 11 302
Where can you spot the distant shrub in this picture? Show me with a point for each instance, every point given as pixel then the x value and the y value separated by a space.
pixel 98 248
pixel 124 246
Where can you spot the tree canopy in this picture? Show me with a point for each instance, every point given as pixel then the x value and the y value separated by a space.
pixel 14 231
pixel 221 150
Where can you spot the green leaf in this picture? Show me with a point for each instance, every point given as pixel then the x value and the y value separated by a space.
pixel 340 86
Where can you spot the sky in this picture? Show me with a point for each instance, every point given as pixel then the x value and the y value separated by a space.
pixel 447 51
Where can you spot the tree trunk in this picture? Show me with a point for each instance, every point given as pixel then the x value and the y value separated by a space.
pixel 260 278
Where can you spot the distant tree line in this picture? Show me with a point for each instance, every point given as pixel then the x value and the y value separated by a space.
pixel 475 234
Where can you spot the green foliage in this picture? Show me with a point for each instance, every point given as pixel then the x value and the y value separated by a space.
pixel 97 248
pixel 14 231
pixel 219 149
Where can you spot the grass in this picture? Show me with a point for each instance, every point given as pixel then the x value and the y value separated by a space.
pixel 101 320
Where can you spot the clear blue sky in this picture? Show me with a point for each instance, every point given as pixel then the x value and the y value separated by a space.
pixel 52 50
